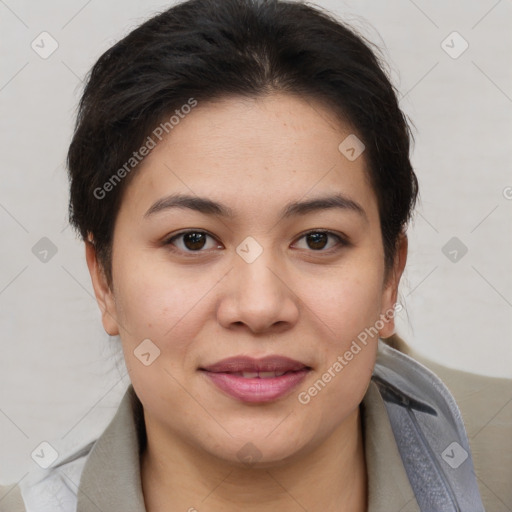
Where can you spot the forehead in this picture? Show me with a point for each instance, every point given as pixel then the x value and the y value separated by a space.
pixel 253 152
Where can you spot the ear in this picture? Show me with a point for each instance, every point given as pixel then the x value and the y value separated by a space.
pixel 102 291
pixel 390 292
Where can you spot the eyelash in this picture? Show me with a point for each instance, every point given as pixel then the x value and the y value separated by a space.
pixel 341 241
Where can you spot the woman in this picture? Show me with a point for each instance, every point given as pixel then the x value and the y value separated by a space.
pixel 240 176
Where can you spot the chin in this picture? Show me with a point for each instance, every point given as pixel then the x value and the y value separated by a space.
pixel 260 452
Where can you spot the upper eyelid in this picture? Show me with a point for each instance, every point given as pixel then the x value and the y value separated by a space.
pixel 168 239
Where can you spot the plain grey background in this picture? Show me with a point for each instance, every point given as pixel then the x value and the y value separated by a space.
pixel 60 374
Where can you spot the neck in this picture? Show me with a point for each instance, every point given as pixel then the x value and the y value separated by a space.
pixel 330 478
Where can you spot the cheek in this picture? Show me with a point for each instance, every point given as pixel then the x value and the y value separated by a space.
pixel 154 303
pixel 168 310
pixel 345 308
pixel 152 297
pixel 346 301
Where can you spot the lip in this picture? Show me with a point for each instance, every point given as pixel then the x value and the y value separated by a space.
pixel 274 363
pixel 226 375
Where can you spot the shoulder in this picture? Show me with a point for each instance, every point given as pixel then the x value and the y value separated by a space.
pixel 47 490
pixel 429 433
pixel 60 487
pixel 485 405
pixel 10 499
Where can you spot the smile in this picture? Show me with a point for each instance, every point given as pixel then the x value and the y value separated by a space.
pixel 256 380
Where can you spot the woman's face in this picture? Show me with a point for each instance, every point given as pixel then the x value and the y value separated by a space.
pixel 249 281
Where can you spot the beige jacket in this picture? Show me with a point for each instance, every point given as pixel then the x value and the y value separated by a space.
pixel 486 407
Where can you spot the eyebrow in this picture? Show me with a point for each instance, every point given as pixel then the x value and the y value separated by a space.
pixel 210 207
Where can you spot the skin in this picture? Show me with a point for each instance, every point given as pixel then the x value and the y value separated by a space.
pixel 297 299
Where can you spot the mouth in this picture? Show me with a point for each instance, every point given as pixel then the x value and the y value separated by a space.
pixel 256 380
pixel 256 375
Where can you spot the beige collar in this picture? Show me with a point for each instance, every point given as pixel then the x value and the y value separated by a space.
pixel 111 477
pixel 388 486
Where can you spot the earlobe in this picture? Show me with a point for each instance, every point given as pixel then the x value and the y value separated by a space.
pixel 102 291
pixel 391 290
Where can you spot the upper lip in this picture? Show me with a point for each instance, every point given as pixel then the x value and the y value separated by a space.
pixel 272 363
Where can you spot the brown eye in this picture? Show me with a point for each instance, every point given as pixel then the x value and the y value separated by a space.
pixel 319 240
pixel 192 241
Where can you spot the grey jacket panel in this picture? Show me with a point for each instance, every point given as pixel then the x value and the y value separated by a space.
pixel 430 434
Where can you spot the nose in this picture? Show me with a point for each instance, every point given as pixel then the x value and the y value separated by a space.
pixel 257 295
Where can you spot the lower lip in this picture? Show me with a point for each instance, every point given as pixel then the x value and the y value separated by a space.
pixel 257 390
